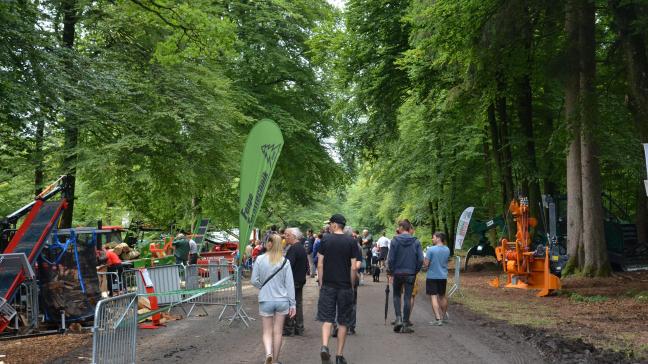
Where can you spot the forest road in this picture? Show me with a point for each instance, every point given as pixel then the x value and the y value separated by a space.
pixel 467 338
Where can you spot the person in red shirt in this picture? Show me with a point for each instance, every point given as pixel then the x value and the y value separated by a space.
pixel 114 266
pixel 112 259
pixel 257 250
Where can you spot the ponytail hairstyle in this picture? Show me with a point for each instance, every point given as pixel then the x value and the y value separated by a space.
pixel 276 252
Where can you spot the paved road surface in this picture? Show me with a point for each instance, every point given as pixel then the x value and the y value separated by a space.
pixel 466 339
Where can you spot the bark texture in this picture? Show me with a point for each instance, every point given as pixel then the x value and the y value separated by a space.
pixel 71 133
pixel 582 113
pixel 596 261
pixel 633 44
pixel 574 196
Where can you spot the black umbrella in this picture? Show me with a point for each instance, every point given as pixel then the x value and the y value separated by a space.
pixel 386 301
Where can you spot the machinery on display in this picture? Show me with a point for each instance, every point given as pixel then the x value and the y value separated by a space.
pixel 48 275
pixel 21 247
pixel 525 267
pixel 481 228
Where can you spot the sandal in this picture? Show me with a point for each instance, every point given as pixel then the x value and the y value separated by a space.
pixel 268 359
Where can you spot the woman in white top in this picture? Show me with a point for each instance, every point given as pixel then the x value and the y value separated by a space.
pixel 273 276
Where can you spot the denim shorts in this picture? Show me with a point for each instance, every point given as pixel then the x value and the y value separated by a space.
pixel 269 308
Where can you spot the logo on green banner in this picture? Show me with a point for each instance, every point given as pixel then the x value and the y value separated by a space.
pixel 262 150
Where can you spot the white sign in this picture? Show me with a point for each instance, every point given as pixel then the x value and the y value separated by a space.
pixel 146 277
pixel 462 226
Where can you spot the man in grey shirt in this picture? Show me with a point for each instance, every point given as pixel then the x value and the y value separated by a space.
pixel 193 251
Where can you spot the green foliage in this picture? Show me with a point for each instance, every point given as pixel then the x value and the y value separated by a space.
pixel 432 106
pixel 164 94
pixel 437 68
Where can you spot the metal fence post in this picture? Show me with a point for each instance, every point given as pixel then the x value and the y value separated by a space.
pixel 240 312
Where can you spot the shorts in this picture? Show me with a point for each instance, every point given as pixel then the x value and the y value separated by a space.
pixel 383 253
pixel 436 286
pixel 331 299
pixel 270 308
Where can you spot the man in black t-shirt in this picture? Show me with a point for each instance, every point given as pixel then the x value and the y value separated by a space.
pixel 337 271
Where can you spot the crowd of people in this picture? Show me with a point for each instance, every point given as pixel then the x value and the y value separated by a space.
pixel 338 258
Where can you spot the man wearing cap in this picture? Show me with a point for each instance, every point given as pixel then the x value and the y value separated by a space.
pixel 336 268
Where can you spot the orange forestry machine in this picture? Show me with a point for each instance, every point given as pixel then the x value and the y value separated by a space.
pixel 524 267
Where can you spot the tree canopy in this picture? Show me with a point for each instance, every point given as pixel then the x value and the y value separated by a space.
pixel 389 109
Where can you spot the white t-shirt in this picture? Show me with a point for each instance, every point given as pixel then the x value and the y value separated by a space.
pixel 193 247
pixel 383 242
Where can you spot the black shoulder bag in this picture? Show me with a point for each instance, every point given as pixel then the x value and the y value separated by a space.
pixel 274 273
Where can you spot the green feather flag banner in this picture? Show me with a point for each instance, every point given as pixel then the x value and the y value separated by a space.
pixel 260 155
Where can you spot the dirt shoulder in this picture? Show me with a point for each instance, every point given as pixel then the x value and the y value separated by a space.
pixel 75 348
pixel 596 315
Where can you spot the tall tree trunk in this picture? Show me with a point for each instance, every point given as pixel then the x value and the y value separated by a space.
pixel 596 262
pixel 549 186
pixel 438 216
pixel 432 218
pixel 497 151
pixel 71 133
pixel 633 43
pixel 488 171
pixel 452 217
pixel 525 111
pixel 38 155
pixel 507 155
pixel 574 193
pixel 196 212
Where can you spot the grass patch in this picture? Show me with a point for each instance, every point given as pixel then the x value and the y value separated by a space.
pixel 637 295
pixel 576 297
pixel 516 313
pixel 641 297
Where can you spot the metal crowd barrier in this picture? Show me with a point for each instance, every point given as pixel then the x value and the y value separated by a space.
pixel 114 334
pixel 114 278
pixel 29 304
pixel 129 280
pixel 221 273
pixel 165 278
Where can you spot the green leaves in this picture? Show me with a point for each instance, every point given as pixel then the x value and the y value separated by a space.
pixel 163 93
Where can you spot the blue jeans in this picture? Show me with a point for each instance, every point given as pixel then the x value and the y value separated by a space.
pixel 405 283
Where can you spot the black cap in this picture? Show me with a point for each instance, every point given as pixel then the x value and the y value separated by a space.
pixel 338 219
